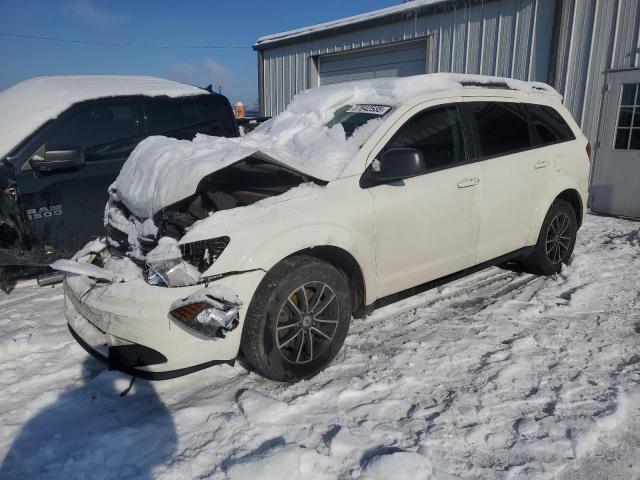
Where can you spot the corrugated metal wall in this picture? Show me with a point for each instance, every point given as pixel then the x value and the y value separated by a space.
pixel 509 38
pixel 595 36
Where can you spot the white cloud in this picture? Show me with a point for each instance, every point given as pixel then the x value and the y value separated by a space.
pixel 87 11
pixel 217 74
pixel 206 72
pixel 182 72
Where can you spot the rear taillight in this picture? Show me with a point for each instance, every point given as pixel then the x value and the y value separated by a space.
pixel 589 151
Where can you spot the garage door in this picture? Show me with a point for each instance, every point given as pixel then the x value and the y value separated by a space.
pixel 390 61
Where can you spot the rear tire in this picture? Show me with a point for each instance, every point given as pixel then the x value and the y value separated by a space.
pixel 556 240
pixel 297 319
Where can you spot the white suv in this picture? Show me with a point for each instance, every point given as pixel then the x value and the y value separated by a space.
pixel 356 194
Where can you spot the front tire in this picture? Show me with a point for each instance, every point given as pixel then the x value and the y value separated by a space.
pixel 556 240
pixel 297 319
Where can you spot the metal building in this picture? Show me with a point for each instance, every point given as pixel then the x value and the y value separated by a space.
pixel 589 50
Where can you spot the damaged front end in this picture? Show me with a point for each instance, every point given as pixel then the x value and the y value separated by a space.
pixel 154 243
pixel 147 331
pixel 112 284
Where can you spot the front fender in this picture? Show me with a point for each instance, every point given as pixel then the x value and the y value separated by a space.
pixel 267 252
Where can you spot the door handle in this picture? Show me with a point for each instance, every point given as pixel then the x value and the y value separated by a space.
pixel 468 182
pixel 541 164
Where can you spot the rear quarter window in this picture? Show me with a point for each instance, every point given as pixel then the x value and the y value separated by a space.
pixel 549 125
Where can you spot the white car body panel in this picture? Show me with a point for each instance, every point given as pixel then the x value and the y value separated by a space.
pixel 341 216
pixel 140 315
pixel 401 234
pixel 415 239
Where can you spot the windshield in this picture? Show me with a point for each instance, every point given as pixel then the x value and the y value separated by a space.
pixel 353 116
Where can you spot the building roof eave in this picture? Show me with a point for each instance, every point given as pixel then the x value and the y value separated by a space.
pixel 349 23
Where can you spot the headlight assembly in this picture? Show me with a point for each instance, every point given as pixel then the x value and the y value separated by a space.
pixel 196 257
pixel 203 253
pixel 205 314
pixel 171 273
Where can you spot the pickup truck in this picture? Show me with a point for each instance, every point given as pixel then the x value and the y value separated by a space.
pixel 64 140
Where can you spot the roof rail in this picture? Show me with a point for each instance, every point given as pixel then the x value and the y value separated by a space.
pixel 498 85
pixel 486 85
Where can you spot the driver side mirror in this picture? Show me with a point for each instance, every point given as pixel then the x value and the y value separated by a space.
pixel 398 163
pixel 54 160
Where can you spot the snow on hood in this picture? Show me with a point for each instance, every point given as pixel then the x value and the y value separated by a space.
pixel 28 105
pixel 162 171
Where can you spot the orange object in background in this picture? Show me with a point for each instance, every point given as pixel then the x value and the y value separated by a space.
pixel 239 110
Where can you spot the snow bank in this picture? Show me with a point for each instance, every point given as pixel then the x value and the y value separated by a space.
pixel 271 466
pixel 628 406
pixel 162 171
pixel 398 466
pixel 29 104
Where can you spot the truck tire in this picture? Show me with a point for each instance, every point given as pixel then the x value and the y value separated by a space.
pixel 297 319
pixel 555 242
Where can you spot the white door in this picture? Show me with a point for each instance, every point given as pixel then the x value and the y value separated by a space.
pixel 427 226
pixel 513 173
pixel 616 186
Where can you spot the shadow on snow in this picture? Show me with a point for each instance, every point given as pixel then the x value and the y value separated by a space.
pixel 91 431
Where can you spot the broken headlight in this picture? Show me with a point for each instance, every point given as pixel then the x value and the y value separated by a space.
pixel 206 315
pixel 196 257
pixel 171 273
pixel 203 253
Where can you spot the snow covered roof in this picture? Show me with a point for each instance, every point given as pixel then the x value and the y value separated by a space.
pixel 27 105
pixel 298 137
pixel 343 22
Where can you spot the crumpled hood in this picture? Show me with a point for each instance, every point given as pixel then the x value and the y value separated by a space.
pixel 162 171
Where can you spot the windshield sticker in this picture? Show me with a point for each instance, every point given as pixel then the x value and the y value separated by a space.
pixel 370 109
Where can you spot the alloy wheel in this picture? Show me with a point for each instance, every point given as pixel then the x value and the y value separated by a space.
pixel 307 322
pixel 558 238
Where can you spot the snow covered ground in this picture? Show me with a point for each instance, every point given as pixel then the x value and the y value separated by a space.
pixel 498 375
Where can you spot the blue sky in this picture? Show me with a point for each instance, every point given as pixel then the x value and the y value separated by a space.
pixel 197 22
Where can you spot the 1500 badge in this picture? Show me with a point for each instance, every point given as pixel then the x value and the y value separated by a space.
pixel 44 212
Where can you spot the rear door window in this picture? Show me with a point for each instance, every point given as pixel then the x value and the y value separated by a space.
pixel 183 118
pixel 437 133
pixel 105 129
pixel 549 125
pixel 501 128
